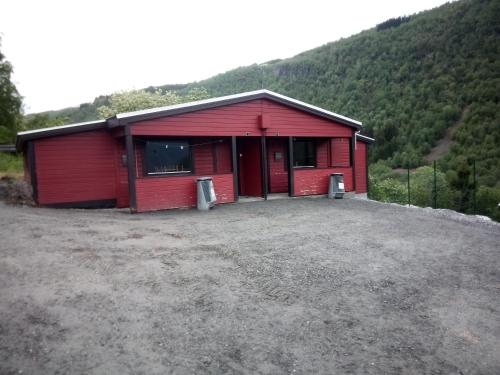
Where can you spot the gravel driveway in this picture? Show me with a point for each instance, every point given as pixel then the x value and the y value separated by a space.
pixel 279 287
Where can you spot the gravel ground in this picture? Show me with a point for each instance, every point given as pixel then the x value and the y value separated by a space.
pixel 287 286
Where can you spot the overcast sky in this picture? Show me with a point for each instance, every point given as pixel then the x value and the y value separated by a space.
pixel 68 52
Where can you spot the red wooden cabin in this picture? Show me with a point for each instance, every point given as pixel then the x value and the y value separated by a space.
pixel 252 144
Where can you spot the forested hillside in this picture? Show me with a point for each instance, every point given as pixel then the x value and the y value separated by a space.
pixel 408 80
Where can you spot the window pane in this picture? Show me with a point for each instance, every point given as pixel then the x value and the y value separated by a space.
pixel 304 154
pixel 167 157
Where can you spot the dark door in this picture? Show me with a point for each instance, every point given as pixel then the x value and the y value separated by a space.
pixel 277 149
pixel 250 173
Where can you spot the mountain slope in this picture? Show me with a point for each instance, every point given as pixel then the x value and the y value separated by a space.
pixel 408 80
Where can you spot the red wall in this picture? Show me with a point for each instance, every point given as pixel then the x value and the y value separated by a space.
pixel 315 181
pixel 361 172
pixel 76 168
pixel 322 157
pixel 240 119
pixel 278 170
pixel 159 193
pixel 211 157
pixel 340 152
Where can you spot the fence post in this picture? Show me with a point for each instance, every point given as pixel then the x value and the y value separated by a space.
pixel 474 186
pixel 435 187
pixel 409 201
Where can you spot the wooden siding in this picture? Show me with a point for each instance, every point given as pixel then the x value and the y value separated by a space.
pixel 340 152
pixel 76 168
pixel 244 119
pixel 315 180
pixel 204 157
pixel 278 170
pixel 322 157
pixel 361 167
pixel 162 193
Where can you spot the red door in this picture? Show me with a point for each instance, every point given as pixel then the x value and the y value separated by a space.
pixel 249 171
pixel 278 167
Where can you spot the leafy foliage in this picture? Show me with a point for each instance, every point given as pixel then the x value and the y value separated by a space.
pixel 10 103
pixel 422 188
pixel 388 190
pixel 454 189
pixel 129 101
pixel 488 201
pixel 10 163
pixel 392 22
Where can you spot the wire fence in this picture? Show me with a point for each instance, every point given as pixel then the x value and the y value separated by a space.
pixel 432 186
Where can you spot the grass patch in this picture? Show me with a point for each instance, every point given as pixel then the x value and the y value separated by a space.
pixel 11 164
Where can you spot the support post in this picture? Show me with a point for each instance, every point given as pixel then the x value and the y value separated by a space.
pixel 234 155
pixel 435 187
pixel 367 174
pixel 129 145
pixel 474 186
pixel 353 160
pixel 263 162
pixel 409 198
pixel 32 170
pixel 291 189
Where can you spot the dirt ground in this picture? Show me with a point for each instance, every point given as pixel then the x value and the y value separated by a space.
pixel 279 287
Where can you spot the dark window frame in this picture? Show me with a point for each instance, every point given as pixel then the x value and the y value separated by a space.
pixel 145 167
pixel 315 153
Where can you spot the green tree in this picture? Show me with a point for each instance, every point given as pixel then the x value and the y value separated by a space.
pixel 135 100
pixel 388 190
pixel 488 202
pixel 422 188
pixel 10 103
pixel 39 121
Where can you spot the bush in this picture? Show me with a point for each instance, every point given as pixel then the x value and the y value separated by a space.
pixel 422 185
pixel 388 190
pixel 487 200
pixel 11 163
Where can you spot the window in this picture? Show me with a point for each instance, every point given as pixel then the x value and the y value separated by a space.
pixel 165 157
pixel 304 153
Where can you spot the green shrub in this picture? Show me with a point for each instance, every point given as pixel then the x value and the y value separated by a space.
pixel 11 163
pixel 422 185
pixel 388 190
pixel 487 200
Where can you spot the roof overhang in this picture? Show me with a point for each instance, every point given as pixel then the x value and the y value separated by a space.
pixel 58 130
pixel 126 118
pixel 364 138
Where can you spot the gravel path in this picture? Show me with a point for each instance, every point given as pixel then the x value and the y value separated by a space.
pixel 279 287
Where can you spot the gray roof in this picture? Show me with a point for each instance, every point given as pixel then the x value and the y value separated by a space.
pixel 172 110
pixel 364 138
pixel 236 98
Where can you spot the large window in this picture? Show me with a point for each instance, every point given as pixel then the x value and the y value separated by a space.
pixel 167 157
pixel 304 153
